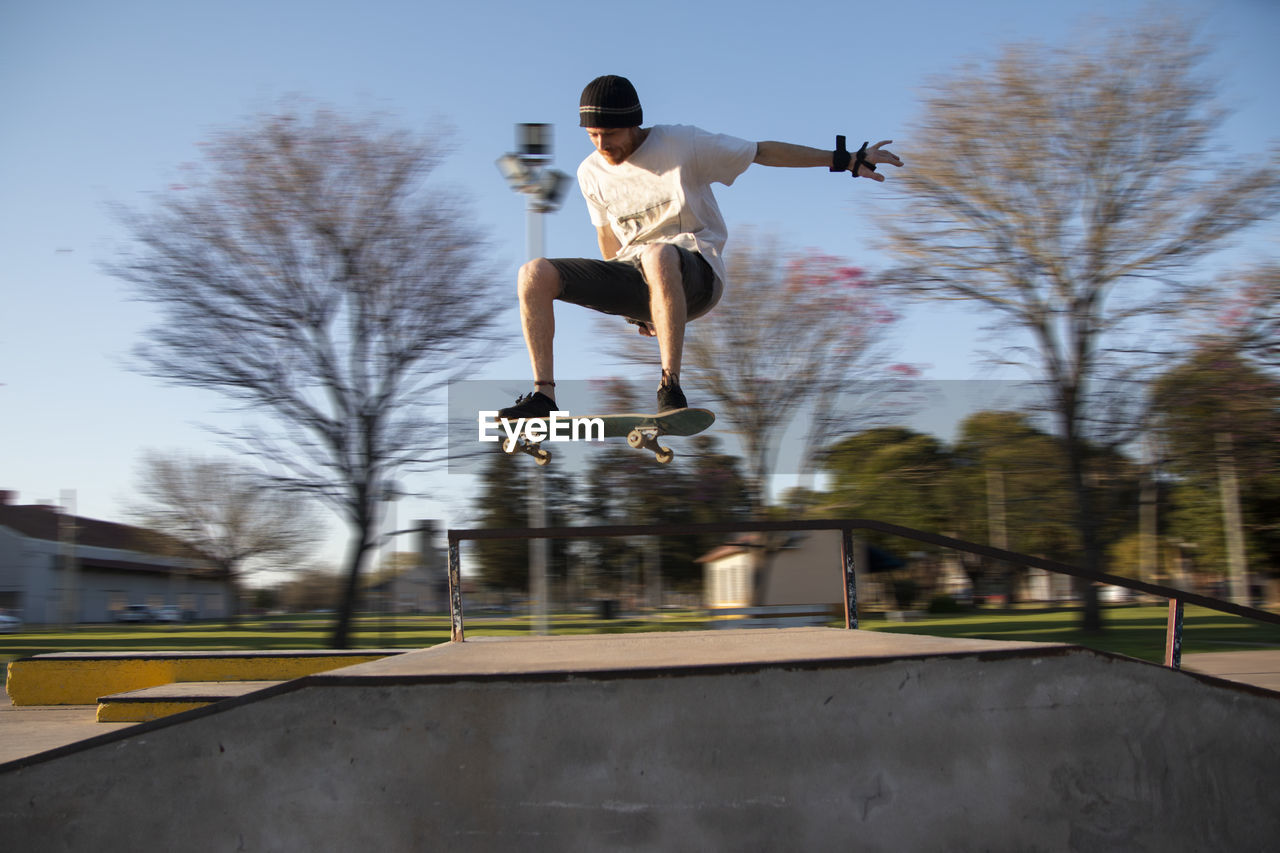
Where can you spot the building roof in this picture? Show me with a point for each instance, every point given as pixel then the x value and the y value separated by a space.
pixel 743 542
pixel 45 523
pixel 720 552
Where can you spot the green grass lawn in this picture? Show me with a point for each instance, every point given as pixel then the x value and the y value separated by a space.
pixel 306 632
pixel 1137 631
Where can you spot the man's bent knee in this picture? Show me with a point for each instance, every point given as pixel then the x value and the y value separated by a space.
pixel 662 268
pixel 539 278
pixel 660 254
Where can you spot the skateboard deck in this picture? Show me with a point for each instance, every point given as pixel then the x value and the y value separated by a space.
pixel 641 431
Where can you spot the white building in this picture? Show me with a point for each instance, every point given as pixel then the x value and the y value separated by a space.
pixel 807 568
pixel 56 568
pixel 802 568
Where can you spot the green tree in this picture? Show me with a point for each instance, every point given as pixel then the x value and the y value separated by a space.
pixel 506 486
pixel 1001 483
pixel 891 474
pixel 625 487
pixel 719 490
pixel 1011 486
pixel 1218 416
pixel 502 503
pixel 1069 191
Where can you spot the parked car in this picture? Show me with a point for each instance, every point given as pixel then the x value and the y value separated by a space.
pixel 171 613
pixel 135 613
pixel 9 624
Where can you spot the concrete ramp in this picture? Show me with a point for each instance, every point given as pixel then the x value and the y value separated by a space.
pixel 798 739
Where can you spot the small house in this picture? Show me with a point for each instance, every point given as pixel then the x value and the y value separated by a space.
pixel 57 568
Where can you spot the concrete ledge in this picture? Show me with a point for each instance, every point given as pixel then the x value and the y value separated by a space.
pixel 152 703
pixel 71 678
pixel 802 739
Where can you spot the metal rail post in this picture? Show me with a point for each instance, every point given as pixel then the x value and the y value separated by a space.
pixel 455 593
pixel 1173 635
pixel 850 550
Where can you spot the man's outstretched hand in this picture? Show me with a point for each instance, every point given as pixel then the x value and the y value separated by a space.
pixel 876 155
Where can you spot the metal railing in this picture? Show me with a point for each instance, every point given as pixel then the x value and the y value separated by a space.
pixel 853 556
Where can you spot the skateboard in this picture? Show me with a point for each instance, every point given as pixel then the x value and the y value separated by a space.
pixel 641 431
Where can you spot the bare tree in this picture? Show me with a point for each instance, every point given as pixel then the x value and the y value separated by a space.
pixel 309 274
pixel 797 336
pixel 1069 192
pixel 227 512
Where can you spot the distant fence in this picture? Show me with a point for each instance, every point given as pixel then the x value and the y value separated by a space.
pixel 853 557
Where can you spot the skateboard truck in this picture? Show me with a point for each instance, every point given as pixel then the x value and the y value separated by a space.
pixel 647 438
pixel 534 448
pixel 642 432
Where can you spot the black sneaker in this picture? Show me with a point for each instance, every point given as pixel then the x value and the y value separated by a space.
pixel 535 405
pixel 671 397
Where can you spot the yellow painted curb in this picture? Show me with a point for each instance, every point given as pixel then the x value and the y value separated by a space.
pixel 142 712
pixel 82 680
pixel 41 681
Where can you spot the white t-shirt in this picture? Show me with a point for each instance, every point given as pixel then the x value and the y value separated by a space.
pixel 662 193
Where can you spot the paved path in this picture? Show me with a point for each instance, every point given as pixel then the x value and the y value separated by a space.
pixel 30 729
pixel 1260 668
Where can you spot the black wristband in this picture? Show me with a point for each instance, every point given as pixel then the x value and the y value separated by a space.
pixel 840 157
pixel 861 160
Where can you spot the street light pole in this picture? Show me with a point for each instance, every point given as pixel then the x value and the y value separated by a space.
pixel 528 172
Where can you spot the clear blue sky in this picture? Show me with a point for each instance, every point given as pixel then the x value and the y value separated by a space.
pixel 103 102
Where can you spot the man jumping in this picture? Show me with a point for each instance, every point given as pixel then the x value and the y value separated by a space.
pixel 648 191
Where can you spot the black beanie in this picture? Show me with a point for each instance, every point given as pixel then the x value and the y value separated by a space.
pixel 610 101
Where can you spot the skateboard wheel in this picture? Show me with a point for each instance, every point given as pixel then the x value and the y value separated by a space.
pixel 542 457
pixel 635 438
pixel 664 455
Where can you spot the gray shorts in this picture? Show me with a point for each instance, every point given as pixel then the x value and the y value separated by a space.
pixel 619 287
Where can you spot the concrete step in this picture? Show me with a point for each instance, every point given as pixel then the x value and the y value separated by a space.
pixel 76 678
pixel 152 703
